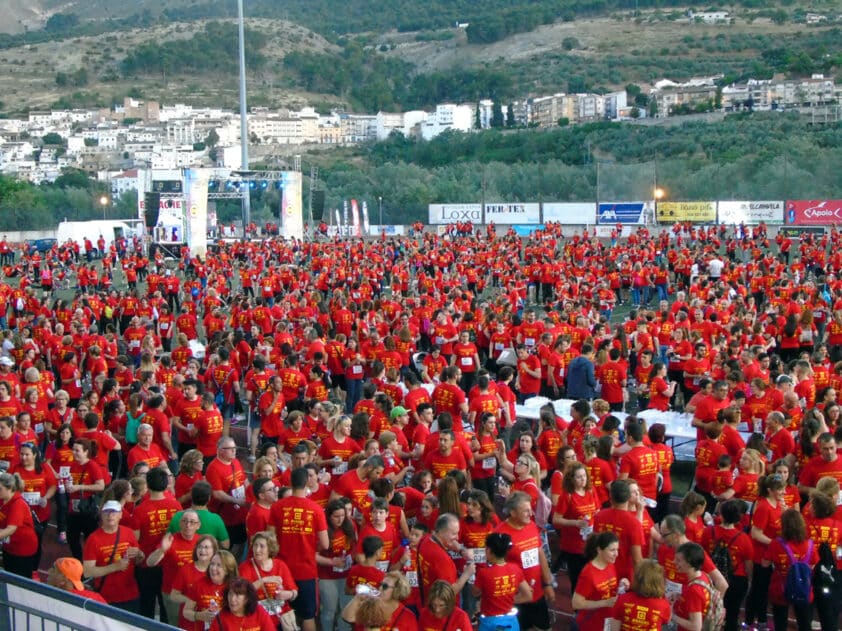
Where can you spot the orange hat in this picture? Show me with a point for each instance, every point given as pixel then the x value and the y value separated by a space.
pixel 71 569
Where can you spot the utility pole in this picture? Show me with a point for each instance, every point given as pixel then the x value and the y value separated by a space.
pixel 244 130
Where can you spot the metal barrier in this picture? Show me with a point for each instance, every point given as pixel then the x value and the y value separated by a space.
pixel 32 606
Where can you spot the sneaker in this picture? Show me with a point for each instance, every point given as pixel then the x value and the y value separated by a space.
pixel 62 537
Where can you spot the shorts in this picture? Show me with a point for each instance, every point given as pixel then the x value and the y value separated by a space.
pixel 307 602
pixel 535 614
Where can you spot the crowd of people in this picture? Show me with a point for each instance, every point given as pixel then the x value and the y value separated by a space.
pixel 324 434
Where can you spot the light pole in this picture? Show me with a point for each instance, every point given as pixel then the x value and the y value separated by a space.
pixel 658 193
pixel 380 201
pixel 103 201
pixel 244 131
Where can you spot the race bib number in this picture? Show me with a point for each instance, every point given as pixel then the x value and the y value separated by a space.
pixel 478 554
pixel 39 428
pixel 239 493
pixel 346 565
pixel 467 361
pixel 529 341
pixel 412 578
pixel 529 558
pixel 383 566
pixel 64 472
pixel 134 343
pixel 33 499
pixel 164 326
pixel 342 467
pixel 357 369
pixel 586 531
pixel 498 346
pixel 439 340
pixel 490 463
pixel 672 588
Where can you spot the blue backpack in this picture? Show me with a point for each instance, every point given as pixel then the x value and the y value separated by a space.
pixel 799 578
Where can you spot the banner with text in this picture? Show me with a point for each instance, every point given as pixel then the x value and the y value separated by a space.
pixel 801 212
pixel 292 212
pixel 623 212
pixel 196 186
pixel 513 213
pixel 574 214
pixel 697 212
pixel 442 214
pixel 750 213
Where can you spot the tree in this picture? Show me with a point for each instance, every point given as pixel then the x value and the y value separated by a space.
pixel 569 43
pixel 510 116
pixel 634 112
pixel 477 118
pixel 563 121
pixel 496 115
pixel 52 139
pixel 212 139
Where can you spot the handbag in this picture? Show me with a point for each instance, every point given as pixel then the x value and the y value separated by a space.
pixel 273 606
pixel 88 507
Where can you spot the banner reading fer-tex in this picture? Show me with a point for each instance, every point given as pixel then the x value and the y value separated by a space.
pixel 821 212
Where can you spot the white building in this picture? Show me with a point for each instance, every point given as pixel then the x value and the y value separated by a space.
pixel 387 122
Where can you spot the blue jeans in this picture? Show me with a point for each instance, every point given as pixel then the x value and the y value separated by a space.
pixel 332 598
pixel 635 292
pixel 355 392
pixel 662 292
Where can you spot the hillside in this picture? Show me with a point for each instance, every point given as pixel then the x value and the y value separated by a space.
pixel 394 70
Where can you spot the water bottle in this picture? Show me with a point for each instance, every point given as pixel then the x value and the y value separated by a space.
pixel 61 489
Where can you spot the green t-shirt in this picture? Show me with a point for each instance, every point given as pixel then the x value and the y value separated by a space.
pixel 211 524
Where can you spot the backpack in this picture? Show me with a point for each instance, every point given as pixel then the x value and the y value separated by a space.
pixel 721 556
pixel 799 578
pixel 219 397
pixel 714 618
pixel 132 423
pixel 543 509
pixel 824 575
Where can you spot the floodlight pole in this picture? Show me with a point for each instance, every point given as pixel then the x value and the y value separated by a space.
pixel 244 131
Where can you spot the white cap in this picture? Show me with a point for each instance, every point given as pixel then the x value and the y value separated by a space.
pixel 112 506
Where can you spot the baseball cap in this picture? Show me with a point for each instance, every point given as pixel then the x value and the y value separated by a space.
pixel 397 411
pixel 71 569
pixel 112 506
pixel 5 361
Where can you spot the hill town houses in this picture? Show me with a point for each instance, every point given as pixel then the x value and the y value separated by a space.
pixel 110 144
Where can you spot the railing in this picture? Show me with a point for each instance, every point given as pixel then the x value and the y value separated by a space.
pixel 27 605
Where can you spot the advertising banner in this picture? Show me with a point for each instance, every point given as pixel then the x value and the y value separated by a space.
pixel 698 212
pixel 750 213
pixel 800 231
pixel 526 231
pixel 292 211
pixel 801 212
pixel 512 213
pixel 623 212
pixel 196 187
pixel 443 214
pixel 571 214
pixel 356 227
pixel 389 230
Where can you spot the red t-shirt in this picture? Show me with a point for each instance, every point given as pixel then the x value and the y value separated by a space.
pixel 439 464
pixel 152 518
pixel 203 592
pixel 258 621
pixel 297 522
pixel 596 584
pixel 15 512
pixel 120 586
pixel 637 613
pixel 350 486
pixel 251 571
pixel 575 506
pixel 776 554
pixel 498 584
pixel 768 519
pixel 457 619
pixel 34 482
pixel 179 555
pixel 434 563
pixel 231 479
pixel 641 464
pixel 629 531
pixel 525 553
pixel 739 545
pixel 209 423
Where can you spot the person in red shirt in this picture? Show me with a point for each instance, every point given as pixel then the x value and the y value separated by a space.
pixel 641 464
pixel 613 377
pixel 210 427
pixel 445 458
pixel 528 373
pixel 466 357
pixel 110 556
pixel 793 545
pixel 152 517
pixel 499 583
pixel 596 589
pixel 228 481
pixel 145 450
pixel 528 553
pixel 644 605
pixel 355 484
pixel 300 526
pixel 573 517
pixel 17 529
pixel 241 609
pixel 624 524
pixel 271 574
pixel 449 397
pixel 693 604
pixel 827 463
